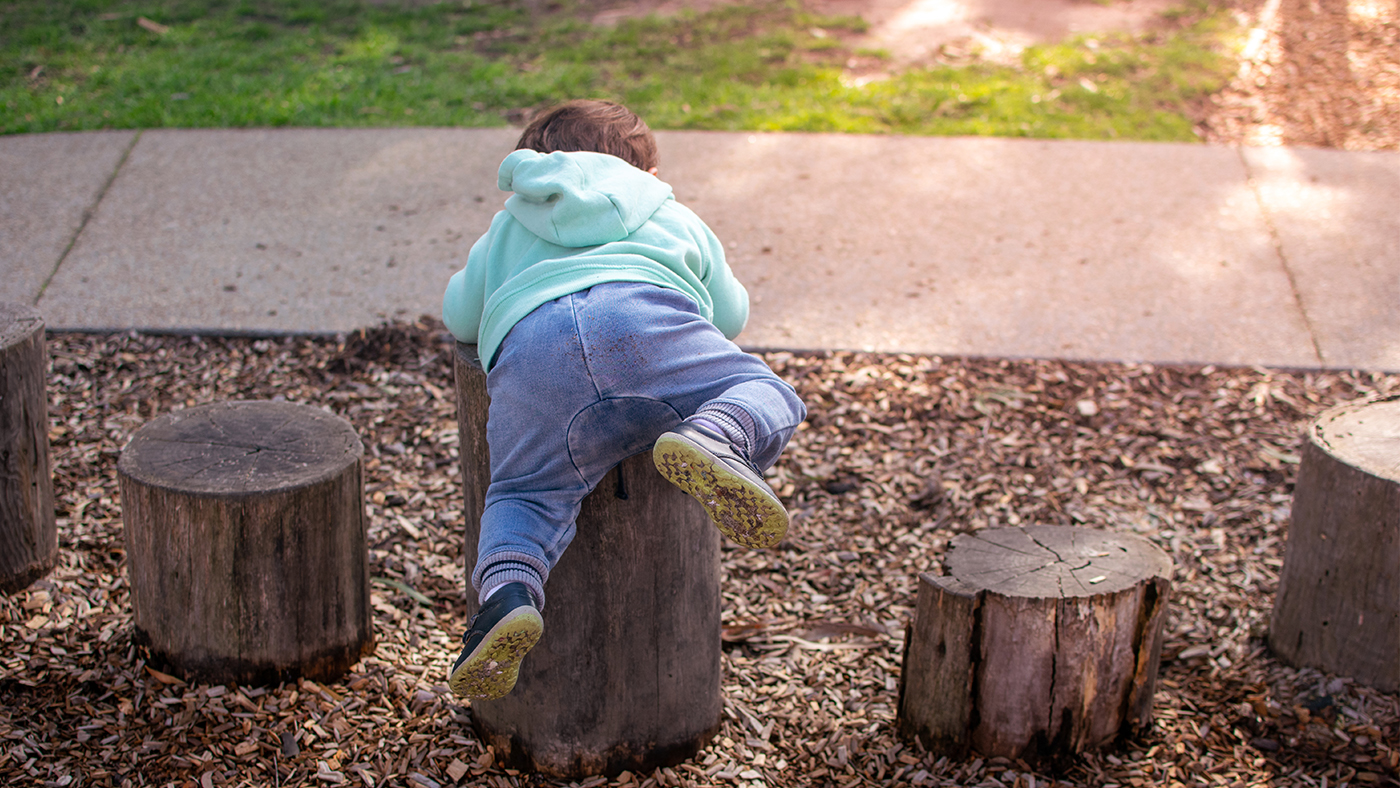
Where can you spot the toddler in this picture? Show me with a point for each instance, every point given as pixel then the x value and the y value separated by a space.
pixel 603 312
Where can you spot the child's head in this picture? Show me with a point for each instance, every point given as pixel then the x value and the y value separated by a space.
pixel 598 126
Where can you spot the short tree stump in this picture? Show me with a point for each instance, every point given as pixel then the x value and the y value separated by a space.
pixel 627 675
pixel 28 532
pixel 245 539
pixel 1040 642
pixel 1338 602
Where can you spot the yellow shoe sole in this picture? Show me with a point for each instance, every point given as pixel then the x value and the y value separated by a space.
pixel 744 512
pixel 492 671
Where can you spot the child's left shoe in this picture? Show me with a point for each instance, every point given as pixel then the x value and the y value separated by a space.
pixel 500 635
pixel 719 475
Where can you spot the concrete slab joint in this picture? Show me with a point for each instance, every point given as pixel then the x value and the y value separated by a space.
pixel 50 186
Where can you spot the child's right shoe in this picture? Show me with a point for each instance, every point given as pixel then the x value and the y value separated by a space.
pixel 500 635
pixel 719 475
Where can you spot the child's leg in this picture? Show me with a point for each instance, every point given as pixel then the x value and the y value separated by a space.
pixel 718 456
pixel 664 351
pixel 537 386
pixel 643 341
pixel 763 411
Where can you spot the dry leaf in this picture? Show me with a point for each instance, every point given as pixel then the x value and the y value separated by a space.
pixel 154 27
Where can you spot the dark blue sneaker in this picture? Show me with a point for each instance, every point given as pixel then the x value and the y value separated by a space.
pixel 500 635
pixel 725 481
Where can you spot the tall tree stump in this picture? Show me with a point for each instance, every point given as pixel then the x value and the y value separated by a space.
pixel 28 534
pixel 1338 603
pixel 627 675
pixel 1040 642
pixel 245 539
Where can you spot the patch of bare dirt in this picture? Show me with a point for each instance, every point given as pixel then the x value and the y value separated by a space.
pixel 914 31
pixel 1322 73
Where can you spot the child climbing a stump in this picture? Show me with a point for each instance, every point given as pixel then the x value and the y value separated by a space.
pixel 604 314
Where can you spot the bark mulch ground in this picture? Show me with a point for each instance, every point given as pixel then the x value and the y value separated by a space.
pixel 900 454
pixel 1313 73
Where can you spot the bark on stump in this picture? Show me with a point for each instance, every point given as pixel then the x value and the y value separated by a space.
pixel 627 675
pixel 1338 602
pixel 1041 641
pixel 28 534
pixel 245 538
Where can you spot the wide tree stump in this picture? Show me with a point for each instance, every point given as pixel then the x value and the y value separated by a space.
pixel 28 534
pixel 627 675
pixel 1338 603
pixel 1040 642
pixel 245 539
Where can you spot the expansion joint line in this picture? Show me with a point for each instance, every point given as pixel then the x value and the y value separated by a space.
pixel 1277 241
pixel 88 213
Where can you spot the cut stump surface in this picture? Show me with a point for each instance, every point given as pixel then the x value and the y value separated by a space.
pixel 1041 641
pixel 1338 603
pixel 245 536
pixel 627 675
pixel 28 532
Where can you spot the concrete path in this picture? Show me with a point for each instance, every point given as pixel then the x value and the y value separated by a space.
pixel 977 246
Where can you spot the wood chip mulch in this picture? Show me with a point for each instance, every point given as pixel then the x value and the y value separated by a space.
pixel 1312 73
pixel 900 454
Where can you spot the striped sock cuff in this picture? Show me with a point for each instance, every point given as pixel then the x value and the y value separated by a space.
pixel 510 567
pixel 737 423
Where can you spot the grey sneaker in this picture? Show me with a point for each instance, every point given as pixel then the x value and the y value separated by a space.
pixel 500 635
pixel 725 481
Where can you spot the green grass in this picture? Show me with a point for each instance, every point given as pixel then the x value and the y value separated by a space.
pixel 86 64
pixel 89 64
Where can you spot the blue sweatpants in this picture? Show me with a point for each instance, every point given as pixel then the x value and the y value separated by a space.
pixel 587 380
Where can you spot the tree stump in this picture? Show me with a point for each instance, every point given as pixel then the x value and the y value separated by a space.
pixel 1338 602
pixel 627 675
pixel 28 534
pixel 245 539
pixel 1040 642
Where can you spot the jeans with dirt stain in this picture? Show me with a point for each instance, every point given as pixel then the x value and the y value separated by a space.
pixel 588 380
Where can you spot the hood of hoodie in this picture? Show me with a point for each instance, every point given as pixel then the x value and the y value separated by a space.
pixel 579 199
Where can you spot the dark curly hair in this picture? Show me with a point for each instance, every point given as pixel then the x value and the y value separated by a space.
pixel 589 125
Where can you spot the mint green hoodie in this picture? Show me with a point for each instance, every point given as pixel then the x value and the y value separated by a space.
pixel 577 220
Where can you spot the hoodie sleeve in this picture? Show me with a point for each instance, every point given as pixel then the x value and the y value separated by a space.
pixel 731 300
pixel 457 307
pixel 465 299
